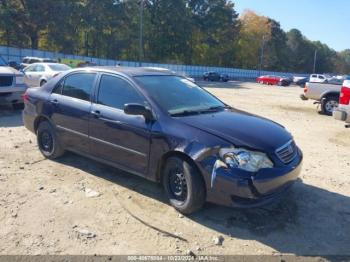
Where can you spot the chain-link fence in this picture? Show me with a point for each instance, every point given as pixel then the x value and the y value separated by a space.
pixel 17 54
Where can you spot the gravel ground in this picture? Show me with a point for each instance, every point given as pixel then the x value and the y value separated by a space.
pixel 77 206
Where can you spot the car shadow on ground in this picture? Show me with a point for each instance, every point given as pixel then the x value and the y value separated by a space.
pixel 10 117
pixel 309 221
pixel 230 84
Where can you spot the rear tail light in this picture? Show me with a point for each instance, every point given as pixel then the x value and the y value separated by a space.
pixel 25 97
pixel 305 89
pixel 344 96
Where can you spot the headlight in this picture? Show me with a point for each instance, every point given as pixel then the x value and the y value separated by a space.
pixel 244 159
pixel 19 80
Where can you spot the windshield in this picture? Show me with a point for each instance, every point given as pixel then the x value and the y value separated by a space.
pixel 177 95
pixel 59 67
pixel 2 62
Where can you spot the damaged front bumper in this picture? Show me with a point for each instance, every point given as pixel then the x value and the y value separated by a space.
pixel 239 188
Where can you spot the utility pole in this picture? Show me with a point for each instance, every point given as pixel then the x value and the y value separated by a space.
pixel 141 33
pixel 262 55
pixel 315 60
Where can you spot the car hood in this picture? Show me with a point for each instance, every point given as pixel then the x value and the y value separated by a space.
pixel 241 129
pixel 6 70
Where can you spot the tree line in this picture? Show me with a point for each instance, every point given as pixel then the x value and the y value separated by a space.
pixel 197 32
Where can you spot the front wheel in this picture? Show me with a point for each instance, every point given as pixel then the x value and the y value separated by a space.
pixel 329 105
pixel 184 185
pixel 48 142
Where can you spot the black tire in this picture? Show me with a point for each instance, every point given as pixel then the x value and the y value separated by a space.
pixel 329 104
pixel 43 82
pixel 18 106
pixel 48 142
pixel 189 194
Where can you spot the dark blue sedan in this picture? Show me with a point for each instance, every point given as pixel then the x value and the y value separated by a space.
pixel 165 128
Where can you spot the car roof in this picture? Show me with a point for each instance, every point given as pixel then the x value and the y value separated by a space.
pixel 129 71
pixel 45 63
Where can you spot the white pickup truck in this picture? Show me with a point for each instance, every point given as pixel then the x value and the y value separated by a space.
pixel 12 86
pixel 323 93
pixel 342 113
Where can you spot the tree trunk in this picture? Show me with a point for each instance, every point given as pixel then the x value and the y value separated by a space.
pixel 34 40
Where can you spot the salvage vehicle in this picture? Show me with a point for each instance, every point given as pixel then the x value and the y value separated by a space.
pixel 274 80
pixel 39 74
pixel 28 60
pixel 12 86
pixel 215 77
pixel 327 95
pixel 163 127
pixel 317 78
pixel 342 113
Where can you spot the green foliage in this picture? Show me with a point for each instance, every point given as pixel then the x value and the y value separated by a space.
pixel 201 32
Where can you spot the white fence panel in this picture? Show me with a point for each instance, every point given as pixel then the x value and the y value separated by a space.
pixel 17 54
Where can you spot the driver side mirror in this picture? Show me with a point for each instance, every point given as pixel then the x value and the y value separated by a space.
pixel 138 110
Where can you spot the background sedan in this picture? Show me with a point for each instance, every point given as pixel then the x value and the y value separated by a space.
pixel 39 74
pixel 274 80
pixel 215 77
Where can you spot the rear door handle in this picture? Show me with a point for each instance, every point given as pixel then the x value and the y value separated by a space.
pixel 96 113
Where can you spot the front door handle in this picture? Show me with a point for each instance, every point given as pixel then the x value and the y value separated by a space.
pixel 96 113
pixel 54 101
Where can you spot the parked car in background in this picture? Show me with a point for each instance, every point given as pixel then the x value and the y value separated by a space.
pixel 302 81
pixel 215 77
pixel 31 60
pixel 285 81
pixel 327 95
pixel 342 113
pixel 274 80
pixel 39 74
pixel 317 78
pixel 12 85
pixel 160 126
pixel 14 65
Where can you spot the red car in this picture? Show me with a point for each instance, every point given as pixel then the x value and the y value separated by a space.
pixel 273 80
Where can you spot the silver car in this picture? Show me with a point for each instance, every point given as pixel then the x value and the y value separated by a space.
pixel 12 86
pixel 38 74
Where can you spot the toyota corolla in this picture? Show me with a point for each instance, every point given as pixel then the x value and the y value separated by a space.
pixel 165 128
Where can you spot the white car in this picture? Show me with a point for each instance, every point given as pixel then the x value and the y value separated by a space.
pixel 38 74
pixel 12 86
pixel 343 111
pixel 316 78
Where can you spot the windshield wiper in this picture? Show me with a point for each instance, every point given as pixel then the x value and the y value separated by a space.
pixel 201 111
pixel 214 109
pixel 186 113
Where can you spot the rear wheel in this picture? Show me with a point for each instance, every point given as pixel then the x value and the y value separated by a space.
pixel 329 105
pixel 183 185
pixel 48 142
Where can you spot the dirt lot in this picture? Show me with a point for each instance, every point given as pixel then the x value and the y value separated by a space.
pixel 77 206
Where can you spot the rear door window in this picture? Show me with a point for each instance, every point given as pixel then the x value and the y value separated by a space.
pixel 39 68
pixel 30 69
pixel 116 92
pixel 79 85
